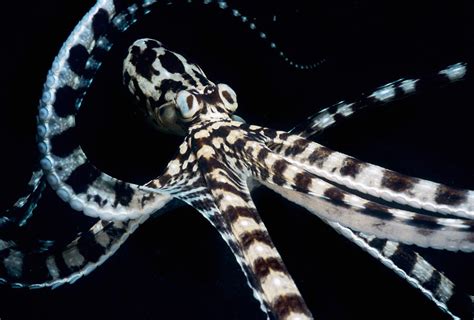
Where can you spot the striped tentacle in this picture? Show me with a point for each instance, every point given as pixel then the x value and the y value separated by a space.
pixel 278 289
pixel 90 249
pixel 398 257
pixel 102 11
pixel 248 21
pixel 197 195
pixel 23 208
pixel 67 169
pixel 412 267
pixel 53 267
pixel 381 96
pixel 377 181
pixel 329 202
pixel 433 282
pixel 243 224
pixel 204 203
pixel 372 179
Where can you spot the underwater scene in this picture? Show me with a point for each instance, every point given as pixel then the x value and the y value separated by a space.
pixel 258 160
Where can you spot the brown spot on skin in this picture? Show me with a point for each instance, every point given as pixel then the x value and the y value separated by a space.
pixel 278 168
pixel 433 282
pixel 284 305
pixel 404 259
pixel 397 182
pixel 319 155
pixel 97 199
pixel 162 180
pixel 233 213
pixel 147 198
pixel 256 235
pixel 378 243
pixel 284 135
pixel 351 167
pixel 377 210
pixel 426 222
pixel 262 155
pixel 336 196
pixel 239 144
pixel 303 182
pixel 262 266
pixel 227 187
pixel 297 147
pixel 375 206
pixel 450 196
pixel 201 142
pixel 222 131
pixel 123 194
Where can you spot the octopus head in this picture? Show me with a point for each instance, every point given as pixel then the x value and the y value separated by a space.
pixel 173 92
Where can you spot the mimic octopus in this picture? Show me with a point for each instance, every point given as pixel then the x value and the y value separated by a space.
pixel 219 162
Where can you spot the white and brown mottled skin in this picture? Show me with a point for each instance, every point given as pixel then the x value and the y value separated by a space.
pixel 211 171
pixel 225 154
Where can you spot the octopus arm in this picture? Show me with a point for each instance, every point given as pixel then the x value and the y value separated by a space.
pixel 408 228
pixel 63 161
pixel 56 266
pixel 23 208
pixel 382 95
pixel 87 189
pixel 412 267
pixel 221 195
pixel 372 179
pixel 205 205
pixel 367 178
pixel 328 201
pixel 398 257
pixel 248 237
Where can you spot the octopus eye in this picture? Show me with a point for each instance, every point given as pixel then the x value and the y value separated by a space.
pixel 188 105
pixel 166 119
pixel 167 114
pixel 228 97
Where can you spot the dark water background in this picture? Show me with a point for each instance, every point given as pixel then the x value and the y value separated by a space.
pixel 176 266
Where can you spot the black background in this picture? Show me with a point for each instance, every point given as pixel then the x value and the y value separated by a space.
pixel 176 266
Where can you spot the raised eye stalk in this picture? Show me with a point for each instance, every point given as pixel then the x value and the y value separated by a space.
pixel 228 97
